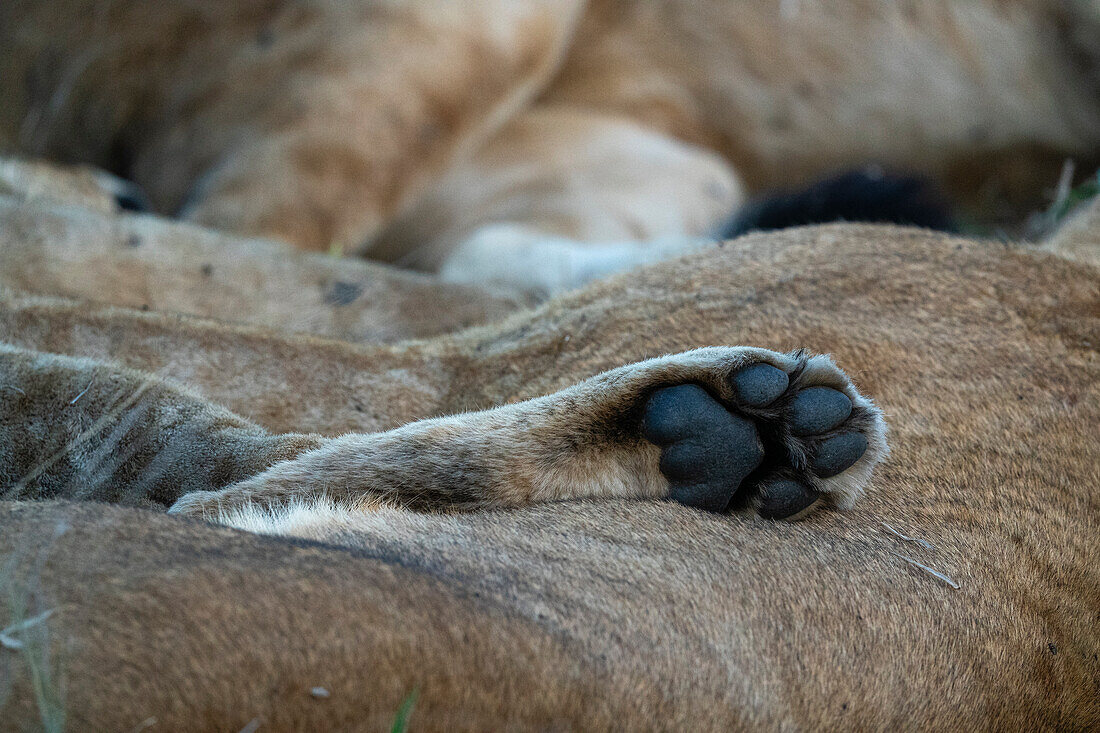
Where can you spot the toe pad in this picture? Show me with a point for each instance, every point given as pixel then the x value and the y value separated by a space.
pixel 706 451
pixel 784 498
pixel 759 385
pixel 838 453
pixel 818 410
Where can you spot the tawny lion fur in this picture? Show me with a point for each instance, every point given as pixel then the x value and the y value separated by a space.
pixel 474 137
pixel 962 591
pixel 610 613
pixel 59 234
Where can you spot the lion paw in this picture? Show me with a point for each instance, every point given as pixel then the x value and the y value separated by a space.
pixel 775 435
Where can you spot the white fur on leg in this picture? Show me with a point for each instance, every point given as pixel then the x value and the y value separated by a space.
pixel 515 256
pixel 318 518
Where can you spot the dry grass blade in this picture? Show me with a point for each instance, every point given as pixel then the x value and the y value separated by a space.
pixel 925 568
pixel 899 535
pixel 84 392
pixel 10 642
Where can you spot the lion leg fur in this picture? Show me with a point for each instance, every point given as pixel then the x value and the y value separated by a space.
pixel 562 196
pixel 717 428
pixel 80 429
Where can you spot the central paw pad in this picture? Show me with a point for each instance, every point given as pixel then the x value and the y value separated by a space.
pixel 765 439
pixel 706 448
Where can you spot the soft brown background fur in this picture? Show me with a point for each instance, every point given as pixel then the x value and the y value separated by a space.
pixel 402 128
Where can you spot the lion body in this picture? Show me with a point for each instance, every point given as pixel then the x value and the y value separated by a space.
pixel 982 357
pixel 962 591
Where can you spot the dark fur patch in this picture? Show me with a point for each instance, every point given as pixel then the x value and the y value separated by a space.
pixel 342 293
pixel 130 197
pixel 865 195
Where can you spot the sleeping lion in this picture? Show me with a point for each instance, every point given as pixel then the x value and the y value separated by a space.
pixel 502 521
pixel 960 593
pixel 539 144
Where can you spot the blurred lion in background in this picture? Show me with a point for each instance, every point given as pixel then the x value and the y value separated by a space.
pixel 538 144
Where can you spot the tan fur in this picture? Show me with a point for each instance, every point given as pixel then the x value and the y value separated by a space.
pixel 408 86
pixel 533 204
pixel 60 234
pixel 616 613
pixel 39 182
pixel 135 440
pixel 75 428
pixel 333 125
pixel 336 124
pixel 580 442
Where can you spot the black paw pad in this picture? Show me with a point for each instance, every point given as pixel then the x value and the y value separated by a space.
pixel 817 410
pixel 707 451
pixel 673 413
pixel 784 498
pixel 838 453
pixel 759 385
